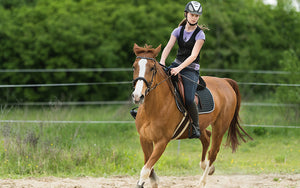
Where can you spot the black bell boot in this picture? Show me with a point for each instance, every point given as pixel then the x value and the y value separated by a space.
pixel 193 111
pixel 133 112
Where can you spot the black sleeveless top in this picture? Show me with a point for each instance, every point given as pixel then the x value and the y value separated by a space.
pixel 185 48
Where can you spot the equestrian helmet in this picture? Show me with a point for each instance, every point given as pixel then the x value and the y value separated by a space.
pixel 193 7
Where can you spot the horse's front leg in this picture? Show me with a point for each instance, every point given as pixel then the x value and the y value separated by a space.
pixel 147 150
pixel 159 148
pixel 154 180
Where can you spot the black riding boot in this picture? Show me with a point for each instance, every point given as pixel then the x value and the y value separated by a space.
pixel 133 112
pixel 193 111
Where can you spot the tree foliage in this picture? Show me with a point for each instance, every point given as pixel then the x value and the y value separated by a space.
pixel 290 63
pixel 53 34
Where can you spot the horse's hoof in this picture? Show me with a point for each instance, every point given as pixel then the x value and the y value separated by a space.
pixel 211 170
pixel 201 185
pixel 140 186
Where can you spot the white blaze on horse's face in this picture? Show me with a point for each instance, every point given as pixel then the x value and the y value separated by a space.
pixel 137 95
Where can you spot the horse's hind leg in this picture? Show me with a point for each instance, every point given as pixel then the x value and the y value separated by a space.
pixel 154 180
pixel 205 140
pixel 217 134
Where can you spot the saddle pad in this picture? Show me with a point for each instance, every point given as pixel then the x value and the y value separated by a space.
pixel 206 104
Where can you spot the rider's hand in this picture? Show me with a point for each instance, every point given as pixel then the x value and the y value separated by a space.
pixel 175 71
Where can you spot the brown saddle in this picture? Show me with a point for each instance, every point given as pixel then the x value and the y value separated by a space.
pixel 180 87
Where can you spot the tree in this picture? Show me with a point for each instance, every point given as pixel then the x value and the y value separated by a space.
pixel 291 64
pixel 52 34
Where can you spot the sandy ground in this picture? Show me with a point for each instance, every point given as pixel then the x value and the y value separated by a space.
pixel 215 181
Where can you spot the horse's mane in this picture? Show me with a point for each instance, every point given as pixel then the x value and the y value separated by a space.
pixel 147 49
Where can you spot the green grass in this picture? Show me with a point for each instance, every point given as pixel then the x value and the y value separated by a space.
pixel 28 149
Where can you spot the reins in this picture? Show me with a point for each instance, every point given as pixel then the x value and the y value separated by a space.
pixel 149 88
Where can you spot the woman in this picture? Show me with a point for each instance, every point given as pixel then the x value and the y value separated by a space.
pixel 190 38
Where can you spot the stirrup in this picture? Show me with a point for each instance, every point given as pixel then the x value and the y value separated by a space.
pixel 195 133
pixel 133 112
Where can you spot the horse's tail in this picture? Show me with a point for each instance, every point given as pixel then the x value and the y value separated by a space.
pixel 235 127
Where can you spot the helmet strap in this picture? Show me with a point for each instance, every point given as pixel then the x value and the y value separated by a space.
pixel 192 24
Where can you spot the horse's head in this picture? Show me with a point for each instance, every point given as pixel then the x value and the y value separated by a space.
pixel 144 70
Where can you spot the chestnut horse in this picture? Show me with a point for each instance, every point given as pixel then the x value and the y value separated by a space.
pixel 158 115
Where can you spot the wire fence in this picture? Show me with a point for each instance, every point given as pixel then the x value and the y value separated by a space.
pixel 128 102
pixel 65 70
pixel 130 69
pixel 56 103
pixel 130 82
pixel 122 122
pixel 65 84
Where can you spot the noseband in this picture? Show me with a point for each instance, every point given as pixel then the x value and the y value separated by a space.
pixel 143 79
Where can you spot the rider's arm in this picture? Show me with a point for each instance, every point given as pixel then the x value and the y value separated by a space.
pixel 167 50
pixel 196 49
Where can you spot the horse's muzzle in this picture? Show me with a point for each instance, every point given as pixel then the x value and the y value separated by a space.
pixel 137 99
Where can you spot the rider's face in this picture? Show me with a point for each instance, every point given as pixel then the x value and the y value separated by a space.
pixel 192 18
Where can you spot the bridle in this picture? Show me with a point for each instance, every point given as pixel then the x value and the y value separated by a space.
pixel 149 84
pixel 143 79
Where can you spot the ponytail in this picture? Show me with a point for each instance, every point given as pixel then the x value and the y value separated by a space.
pixel 183 22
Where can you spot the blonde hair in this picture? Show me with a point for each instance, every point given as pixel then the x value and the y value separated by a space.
pixel 202 26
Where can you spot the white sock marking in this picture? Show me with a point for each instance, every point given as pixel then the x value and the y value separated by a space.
pixel 205 174
pixel 145 173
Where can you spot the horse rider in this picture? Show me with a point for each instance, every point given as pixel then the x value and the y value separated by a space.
pixel 190 38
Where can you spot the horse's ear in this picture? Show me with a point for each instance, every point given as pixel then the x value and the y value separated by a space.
pixel 157 50
pixel 136 49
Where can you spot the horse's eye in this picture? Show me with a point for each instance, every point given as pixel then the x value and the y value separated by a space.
pixel 152 69
pixel 133 68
